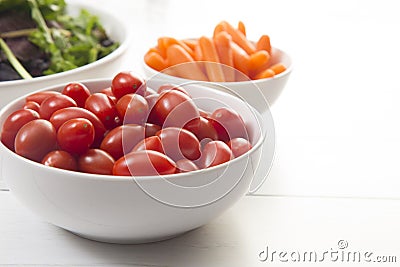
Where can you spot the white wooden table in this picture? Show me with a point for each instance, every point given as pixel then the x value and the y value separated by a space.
pixel 335 182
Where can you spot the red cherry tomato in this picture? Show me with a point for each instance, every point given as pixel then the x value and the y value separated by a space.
pixel 60 159
pixel 32 105
pixel 144 163
pixel 107 91
pixel 149 92
pixel 13 123
pixel 127 83
pixel 228 124
pixel 239 146
pixel 133 108
pixel 76 135
pixel 38 97
pixel 215 153
pixel 151 129
pixel 78 92
pixel 179 143
pixel 173 108
pixel 62 115
pixel 186 165
pixel 151 100
pixel 202 128
pixel 104 108
pixel 150 143
pixel 54 103
pixel 204 113
pixel 96 161
pixel 167 87
pixel 35 139
pixel 122 139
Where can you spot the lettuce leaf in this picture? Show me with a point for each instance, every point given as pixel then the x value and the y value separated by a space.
pixel 70 42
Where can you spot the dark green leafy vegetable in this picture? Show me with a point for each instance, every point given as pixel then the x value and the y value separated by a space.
pixel 14 61
pixel 69 42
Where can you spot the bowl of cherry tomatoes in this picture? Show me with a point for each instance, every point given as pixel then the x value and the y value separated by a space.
pixel 125 160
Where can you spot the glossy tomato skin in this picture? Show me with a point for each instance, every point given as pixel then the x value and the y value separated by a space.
pixel 239 146
pixel 173 109
pixel 35 139
pixel 167 87
pixel 202 128
pixel 221 131
pixel 228 123
pixel 122 139
pixel 151 100
pixel 62 115
pixel 54 103
pixel 76 135
pixel 151 129
pixel 32 105
pixel 127 82
pixel 60 159
pixel 13 123
pixel 39 97
pixel 104 108
pixel 186 165
pixel 78 92
pixel 144 163
pixel 96 161
pixel 107 91
pixel 215 153
pixel 133 108
pixel 150 143
pixel 204 113
pixel 149 92
pixel 179 143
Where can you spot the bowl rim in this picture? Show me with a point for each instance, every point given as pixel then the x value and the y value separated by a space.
pixel 120 178
pixel 95 10
pixel 277 76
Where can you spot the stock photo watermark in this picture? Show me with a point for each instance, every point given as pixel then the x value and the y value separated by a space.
pixel 341 253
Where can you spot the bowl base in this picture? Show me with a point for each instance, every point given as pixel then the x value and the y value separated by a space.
pixel 126 241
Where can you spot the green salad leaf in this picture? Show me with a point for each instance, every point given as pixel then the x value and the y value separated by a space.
pixel 69 41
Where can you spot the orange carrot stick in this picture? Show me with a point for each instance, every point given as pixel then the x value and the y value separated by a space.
pixel 258 62
pixel 210 54
pixel 168 41
pixel 155 60
pixel 264 43
pixel 268 73
pixel 220 27
pixel 198 56
pixel 161 47
pixel 240 59
pixel 239 38
pixel 223 45
pixel 242 28
pixel 278 68
pixel 153 49
pixel 176 55
pixel 191 43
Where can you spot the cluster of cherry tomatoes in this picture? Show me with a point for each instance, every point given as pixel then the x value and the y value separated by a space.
pixel 126 129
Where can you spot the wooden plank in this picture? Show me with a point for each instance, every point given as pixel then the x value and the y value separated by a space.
pixel 235 239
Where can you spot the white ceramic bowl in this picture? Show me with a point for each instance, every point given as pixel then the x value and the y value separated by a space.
pixel 104 67
pixel 261 93
pixel 122 209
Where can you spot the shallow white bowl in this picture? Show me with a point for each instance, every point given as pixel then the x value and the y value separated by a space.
pixel 104 67
pixel 121 209
pixel 261 93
